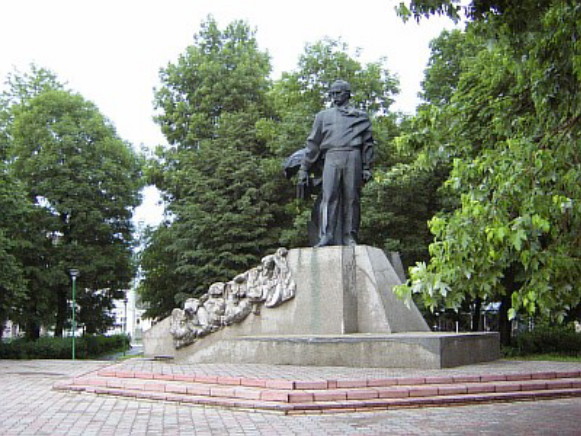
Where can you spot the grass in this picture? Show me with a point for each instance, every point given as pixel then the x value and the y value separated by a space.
pixel 551 357
pixel 128 356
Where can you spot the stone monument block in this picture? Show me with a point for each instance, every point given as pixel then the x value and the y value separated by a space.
pixel 343 313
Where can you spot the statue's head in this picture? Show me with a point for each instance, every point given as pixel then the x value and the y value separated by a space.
pixel 216 289
pixel 191 306
pixel 340 92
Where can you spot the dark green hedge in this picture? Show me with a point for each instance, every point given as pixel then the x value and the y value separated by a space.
pixel 86 347
pixel 559 339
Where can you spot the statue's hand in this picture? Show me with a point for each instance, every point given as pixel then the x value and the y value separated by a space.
pixel 303 177
pixel 367 176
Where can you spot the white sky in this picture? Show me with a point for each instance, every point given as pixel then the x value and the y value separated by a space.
pixel 110 51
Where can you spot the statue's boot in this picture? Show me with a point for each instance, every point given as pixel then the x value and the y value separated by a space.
pixel 350 241
pixel 324 241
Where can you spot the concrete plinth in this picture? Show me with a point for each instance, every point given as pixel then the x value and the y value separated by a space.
pixel 343 290
pixel 344 313
pixel 426 350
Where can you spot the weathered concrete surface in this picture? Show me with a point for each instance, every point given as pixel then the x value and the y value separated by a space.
pixel 344 313
pixel 157 341
pixel 379 310
pixel 398 350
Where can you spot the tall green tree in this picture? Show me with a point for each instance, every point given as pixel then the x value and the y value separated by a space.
pixel 83 182
pixel 516 165
pixel 411 187
pixel 230 225
pixel 16 212
pixel 19 88
pixel 450 52
pixel 22 240
pixel 213 176
pixel 221 72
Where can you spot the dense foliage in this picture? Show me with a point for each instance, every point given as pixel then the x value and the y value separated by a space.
pixel 13 243
pixel 548 339
pixel 86 347
pixel 17 239
pixel 68 185
pixel 228 202
pixel 510 129
pixel 215 177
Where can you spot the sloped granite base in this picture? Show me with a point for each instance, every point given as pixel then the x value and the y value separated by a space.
pixel 344 313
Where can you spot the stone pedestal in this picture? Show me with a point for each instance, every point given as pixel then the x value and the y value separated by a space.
pixel 343 290
pixel 344 313
pixel 424 350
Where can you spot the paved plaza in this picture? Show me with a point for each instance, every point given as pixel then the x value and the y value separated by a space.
pixel 29 406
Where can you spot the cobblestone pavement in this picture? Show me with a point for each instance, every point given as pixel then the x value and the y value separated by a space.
pixel 29 406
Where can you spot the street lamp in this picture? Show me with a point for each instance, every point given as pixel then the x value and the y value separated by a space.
pixel 74 273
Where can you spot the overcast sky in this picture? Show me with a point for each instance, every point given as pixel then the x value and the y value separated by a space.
pixel 110 51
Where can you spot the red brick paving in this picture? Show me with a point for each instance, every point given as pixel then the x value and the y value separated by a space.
pixel 29 405
pixel 295 387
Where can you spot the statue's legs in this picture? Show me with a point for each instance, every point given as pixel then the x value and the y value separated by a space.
pixel 340 202
pixel 351 196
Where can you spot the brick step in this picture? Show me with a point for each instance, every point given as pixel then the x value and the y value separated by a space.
pixel 325 395
pixel 312 393
pixel 296 404
pixel 428 401
pixel 339 383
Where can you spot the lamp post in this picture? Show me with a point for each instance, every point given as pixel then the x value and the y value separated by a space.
pixel 74 273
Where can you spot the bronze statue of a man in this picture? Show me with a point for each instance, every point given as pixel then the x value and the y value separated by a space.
pixel 341 138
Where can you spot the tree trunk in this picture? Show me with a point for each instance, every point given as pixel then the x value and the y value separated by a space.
pixel 504 324
pixel 32 330
pixel 510 286
pixel 476 327
pixel 61 315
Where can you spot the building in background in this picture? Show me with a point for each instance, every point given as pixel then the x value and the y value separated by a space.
pixel 128 315
pixel 127 312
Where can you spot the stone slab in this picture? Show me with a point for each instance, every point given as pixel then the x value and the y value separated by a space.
pixel 423 350
pixel 378 308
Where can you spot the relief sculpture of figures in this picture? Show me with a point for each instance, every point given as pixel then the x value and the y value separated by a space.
pixel 282 286
pixel 269 284
pixel 238 306
pixel 215 304
pixel 340 146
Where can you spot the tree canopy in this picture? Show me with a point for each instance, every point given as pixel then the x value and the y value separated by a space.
pixel 228 201
pixel 13 243
pixel 213 176
pixel 510 130
pixel 79 184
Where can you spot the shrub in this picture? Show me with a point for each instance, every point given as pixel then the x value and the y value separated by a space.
pixel 86 347
pixel 560 339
